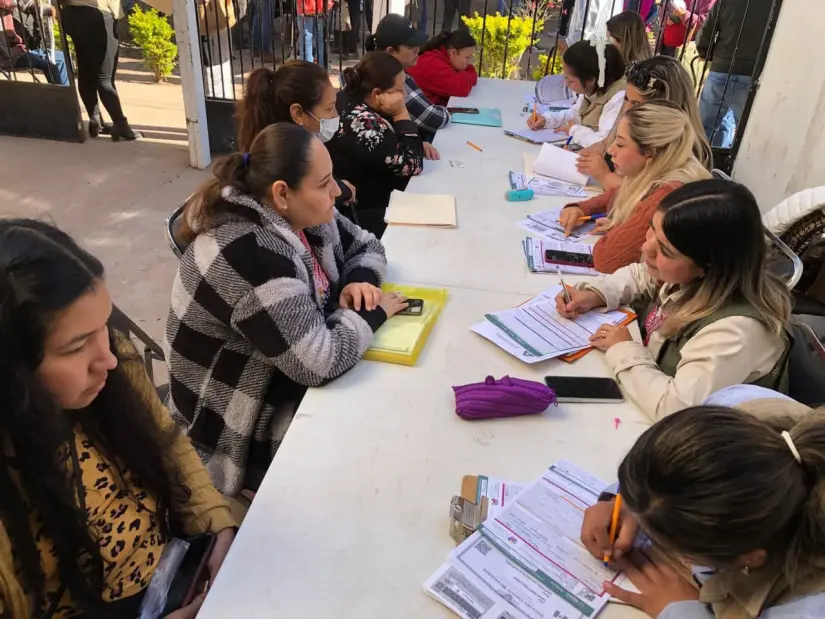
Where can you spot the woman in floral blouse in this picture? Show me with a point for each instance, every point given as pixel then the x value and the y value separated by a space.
pixel 377 147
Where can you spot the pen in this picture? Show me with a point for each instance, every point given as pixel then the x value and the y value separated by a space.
pixel 614 527
pixel 533 115
pixel 567 143
pixel 591 217
pixel 564 292
pixel 478 148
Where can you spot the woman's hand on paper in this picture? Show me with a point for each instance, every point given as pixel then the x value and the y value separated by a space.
pixel 609 335
pixel 536 122
pixel 354 295
pixel 569 218
pixel 595 533
pixel 602 225
pixel 430 152
pixel 581 302
pixel 565 128
pixel 658 583
pixel 393 302
pixel 592 164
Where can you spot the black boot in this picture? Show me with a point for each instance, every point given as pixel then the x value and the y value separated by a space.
pixel 122 131
pixel 98 127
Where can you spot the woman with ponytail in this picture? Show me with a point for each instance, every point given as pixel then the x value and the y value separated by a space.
pixel 298 92
pixel 378 148
pixel 653 153
pixel 740 493
pixel 94 478
pixel 443 69
pixel 276 292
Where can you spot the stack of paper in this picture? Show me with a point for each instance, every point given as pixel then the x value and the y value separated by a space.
pixel 542 186
pixel 546 224
pixel 558 163
pixel 539 136
pixel 486 117
pixel 415 209
pixel 527 562
pixel 537 263
pixel 536 332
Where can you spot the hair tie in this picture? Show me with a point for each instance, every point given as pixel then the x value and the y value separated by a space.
pixel 787 436
pixel 246 160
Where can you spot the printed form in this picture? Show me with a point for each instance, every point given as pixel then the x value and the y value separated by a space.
pixel 546 224
pixel 527 561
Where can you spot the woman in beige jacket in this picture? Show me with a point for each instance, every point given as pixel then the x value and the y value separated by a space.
pixel 711 314
pixel 94 477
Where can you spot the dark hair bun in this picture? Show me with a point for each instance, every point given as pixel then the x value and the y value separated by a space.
pixel 352 79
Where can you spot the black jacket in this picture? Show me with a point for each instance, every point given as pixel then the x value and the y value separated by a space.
pixel 723 26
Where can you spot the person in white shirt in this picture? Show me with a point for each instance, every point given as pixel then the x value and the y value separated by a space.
pixel 601 94
pixel 588 16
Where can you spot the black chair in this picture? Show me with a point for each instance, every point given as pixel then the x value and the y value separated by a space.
pixel 173 226
pixel 806 366
pixel 151 349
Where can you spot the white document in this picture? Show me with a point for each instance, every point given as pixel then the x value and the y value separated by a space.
pixel 546 224
pixel 493 334
pixel 543 186
pixel 499 494
pixel 534 254
pixel 527 562
pixel 558 163
pixel 416 209
pixel 539 136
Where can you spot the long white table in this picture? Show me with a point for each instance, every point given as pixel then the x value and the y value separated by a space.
pixel 352 515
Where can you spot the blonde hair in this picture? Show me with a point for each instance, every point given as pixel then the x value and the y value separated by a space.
pixel 664 78
pixel 664 132
pixel 628 28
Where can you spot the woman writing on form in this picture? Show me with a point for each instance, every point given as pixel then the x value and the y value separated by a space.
pixel 659 78
pixel 654 154
pixel 600 95
pixel 737 494
pixel 717 317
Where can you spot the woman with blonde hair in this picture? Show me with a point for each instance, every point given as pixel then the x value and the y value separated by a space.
pixel 715 317
pixel 656 79
pixel 653 154
pixel 627 32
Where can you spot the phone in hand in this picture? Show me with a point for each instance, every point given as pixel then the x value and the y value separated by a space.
pixel 463 110
pixel 568 258
pixel 415 307
pixel 584 389
pixel 202 547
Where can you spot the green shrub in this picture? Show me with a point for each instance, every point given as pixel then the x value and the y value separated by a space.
pixel 152 32
pixel 58 43
pixel 492 44
pixel 554 69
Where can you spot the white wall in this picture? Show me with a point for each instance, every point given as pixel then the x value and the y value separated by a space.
pixel 783 148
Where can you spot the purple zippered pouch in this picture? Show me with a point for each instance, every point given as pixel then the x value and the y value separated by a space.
pixel 508 397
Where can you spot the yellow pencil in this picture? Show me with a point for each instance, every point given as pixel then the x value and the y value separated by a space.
pixel 478 148
pixel 614 527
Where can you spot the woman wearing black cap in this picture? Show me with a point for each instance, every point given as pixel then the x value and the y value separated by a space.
pixel 395 34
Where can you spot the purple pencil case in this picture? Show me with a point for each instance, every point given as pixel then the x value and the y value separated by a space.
pixel 508 397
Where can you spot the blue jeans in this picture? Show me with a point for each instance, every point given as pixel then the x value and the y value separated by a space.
pixel 308 26
pixel 262 27
pixel 721 115
pixel 55 73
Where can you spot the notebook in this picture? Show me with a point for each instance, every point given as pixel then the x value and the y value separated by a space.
pixel 558 163
pixel 538 137
pixel 486 117
pixel 417 209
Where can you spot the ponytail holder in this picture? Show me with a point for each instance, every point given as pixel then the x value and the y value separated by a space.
pixel 789 441
pixel 246 160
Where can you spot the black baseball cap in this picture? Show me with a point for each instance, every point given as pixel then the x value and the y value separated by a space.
pixel 395 30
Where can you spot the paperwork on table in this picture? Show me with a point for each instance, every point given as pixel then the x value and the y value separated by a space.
pixel 499 493
pixel 558 163
pixel 417 209
pixel 537 263
pixel 527 562
pixel 546 224
pixel 543 186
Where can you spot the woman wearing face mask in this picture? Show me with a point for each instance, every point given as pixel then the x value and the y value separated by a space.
pixel 716 315
pixel 276 292
pixel 443 69
pixel 299 92
pixel 378 148
pixel 94 477
pixel 653 154
pixel 658 78
pixel 597 107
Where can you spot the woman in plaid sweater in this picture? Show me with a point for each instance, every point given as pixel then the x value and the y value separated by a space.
pixel 276 292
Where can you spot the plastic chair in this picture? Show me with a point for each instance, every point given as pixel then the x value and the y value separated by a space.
pixel 152 351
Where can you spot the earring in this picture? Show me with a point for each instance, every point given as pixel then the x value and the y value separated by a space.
pixel 746 570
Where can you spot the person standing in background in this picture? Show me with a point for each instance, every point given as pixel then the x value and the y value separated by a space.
pixel 312 26
pixel 92 26
pixel 730 40
pixel 583 27
pixel 686 16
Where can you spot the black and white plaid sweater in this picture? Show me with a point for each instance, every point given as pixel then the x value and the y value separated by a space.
pixel 246 333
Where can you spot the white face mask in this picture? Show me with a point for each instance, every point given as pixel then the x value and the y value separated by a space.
pixel 329 127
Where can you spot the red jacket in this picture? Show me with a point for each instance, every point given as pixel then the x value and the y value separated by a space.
pixel 313 7
pixel 437 78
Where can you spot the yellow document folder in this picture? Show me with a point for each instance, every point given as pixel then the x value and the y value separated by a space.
pixel 402 338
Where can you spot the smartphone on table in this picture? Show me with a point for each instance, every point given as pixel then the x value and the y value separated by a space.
pixel 568 258
pixel 415 307
pixel 463 110
pixel 584 389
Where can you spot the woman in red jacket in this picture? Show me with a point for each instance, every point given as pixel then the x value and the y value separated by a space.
pixel 443 69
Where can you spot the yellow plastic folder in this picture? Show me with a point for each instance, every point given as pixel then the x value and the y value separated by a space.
pixel 401 339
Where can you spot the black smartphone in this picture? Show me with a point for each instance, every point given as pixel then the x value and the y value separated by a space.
pixel 463 110
pixel 568 258
pixel 584 389
pixel 415 307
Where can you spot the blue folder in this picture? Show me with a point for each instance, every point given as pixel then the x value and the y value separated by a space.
pixel 486 117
